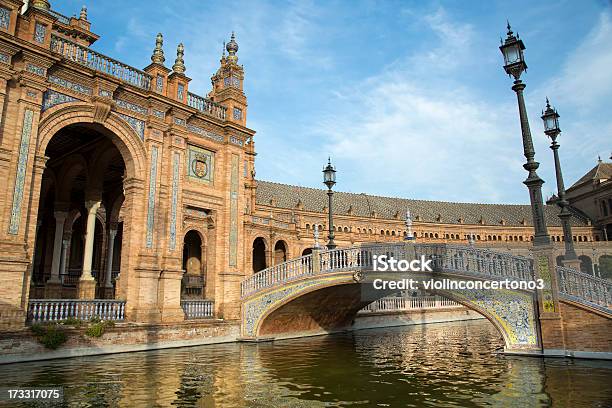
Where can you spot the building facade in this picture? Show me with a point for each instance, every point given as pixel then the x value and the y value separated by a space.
pixel 121 183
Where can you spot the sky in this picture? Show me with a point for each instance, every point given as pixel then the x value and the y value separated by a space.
pixel 408 98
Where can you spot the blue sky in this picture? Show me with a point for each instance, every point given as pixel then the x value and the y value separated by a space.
pixel 408 97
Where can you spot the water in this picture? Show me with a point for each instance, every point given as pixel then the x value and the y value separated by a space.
pixel 442 365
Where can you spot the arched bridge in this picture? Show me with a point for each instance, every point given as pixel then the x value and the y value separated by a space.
pixel 321 292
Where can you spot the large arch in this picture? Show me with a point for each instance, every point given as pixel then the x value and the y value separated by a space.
pixel 106 132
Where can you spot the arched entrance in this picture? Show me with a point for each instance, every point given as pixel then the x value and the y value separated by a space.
pixel 77 231
pixel 193 263
pixel 307 251
pixel 259 254
pixel 280 252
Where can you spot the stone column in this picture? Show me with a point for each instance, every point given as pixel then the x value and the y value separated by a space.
pixel 87 284
pixel 64 259
pixel 53 287
pixel 108 281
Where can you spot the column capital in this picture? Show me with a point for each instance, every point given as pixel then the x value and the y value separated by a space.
pixel 60 216
pixel 92 205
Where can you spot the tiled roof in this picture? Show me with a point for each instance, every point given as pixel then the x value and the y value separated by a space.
pixel 602 171
pixel 362 205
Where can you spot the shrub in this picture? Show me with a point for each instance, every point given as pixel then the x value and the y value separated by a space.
pixel 98 328
pixel 71 321
pixel 95 319
pixel 51 336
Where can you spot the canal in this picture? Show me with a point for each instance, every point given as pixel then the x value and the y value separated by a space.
pixel 437 365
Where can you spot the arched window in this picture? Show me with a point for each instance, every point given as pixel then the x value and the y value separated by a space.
pixel 259 254
pixel 280 252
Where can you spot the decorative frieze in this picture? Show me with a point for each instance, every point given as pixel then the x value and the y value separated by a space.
pixel 236 141
pixel 52 98
pixel 22 162
pixel 136 124
pixel 36 70
pixel 233 234
pixel 40 30
pixel 205 133
pixel 159 114
pixel 5 18
pixel 131 106
pixel 70 85
pixel 152 194
pixel 200 164
pixel 176 158
pixel 5 58
pixel 180 121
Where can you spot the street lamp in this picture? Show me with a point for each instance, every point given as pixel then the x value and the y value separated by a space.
pixel 512 50
pixel 550 117
pixel 329 179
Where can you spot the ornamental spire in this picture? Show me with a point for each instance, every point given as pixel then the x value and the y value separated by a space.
pixel 158 52
pixel 232 48
pixel 83 15
pixel 179 63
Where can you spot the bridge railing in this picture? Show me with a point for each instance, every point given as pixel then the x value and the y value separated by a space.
pixel 450 258
pixel 99 62
pixel 576 285
pixel 400 304
pixel 477 261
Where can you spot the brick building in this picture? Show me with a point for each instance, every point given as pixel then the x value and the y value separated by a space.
pixel 120 183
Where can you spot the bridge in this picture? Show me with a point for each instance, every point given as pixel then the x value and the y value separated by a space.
pixel 322 292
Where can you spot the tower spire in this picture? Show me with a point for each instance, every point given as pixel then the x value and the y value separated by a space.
pixel 179 63
pixel 158 52
pixel 83 15
pixel 232 48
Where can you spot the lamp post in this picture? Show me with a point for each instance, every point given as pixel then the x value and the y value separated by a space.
pixel 514 64
pixel 550 117
pixel 329 179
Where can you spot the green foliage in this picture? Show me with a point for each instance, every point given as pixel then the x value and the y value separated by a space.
pixel 98 328
pixel 51 336
pixel 95 319
pixel 71 321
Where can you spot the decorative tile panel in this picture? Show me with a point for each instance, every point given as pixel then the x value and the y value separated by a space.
pixel 70 85
pixel 200 164
pixel 233 235
pixel 22 163
pixel 35 70
pixel 152 196
pixel 136 124
pixel 159 114
pixel 231 81
pixel 5 58
pixel 180 92
pixel 105 93
pixel 544 271
pixel 237 114
pixel 131 106
pixel 176 158
pixel 40 30
pixel 236 141
pixel 180 121
pixel 52 98
pixel 5 18
pixel 159 83
pixel 205 133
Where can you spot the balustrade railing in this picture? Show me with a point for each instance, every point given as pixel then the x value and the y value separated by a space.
pixel 99 62
pixel 448 258
pixel 577 285
pixel 400 304
pixel 60 17
pixel 51 310
pixel 198 309
pixel 206 105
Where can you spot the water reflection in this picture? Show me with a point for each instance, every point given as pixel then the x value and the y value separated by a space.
pixel 447 365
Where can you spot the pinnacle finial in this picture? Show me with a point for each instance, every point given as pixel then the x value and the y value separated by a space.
pixel 41 4
pixel 83 15
pixel 179 63
pixel 508 26
pixel 599 159
pixel 158 52
pixel 547 103
pixel 223 51
pixel 232 48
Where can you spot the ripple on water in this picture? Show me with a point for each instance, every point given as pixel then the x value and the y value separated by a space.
pixel 442 365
